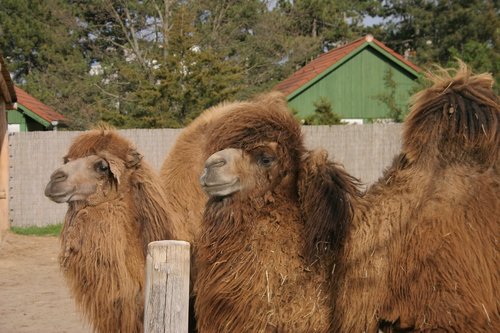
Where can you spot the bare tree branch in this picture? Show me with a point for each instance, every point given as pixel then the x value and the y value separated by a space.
pixel 130 35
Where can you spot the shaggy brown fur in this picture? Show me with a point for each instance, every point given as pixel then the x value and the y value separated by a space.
pixel 422 253
pixel 179 177
pixel 263 259
pixel 105 234
pixel 183 166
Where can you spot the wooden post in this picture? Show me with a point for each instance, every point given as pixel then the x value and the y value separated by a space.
pixel 167 287
pixel 7 100
pixel 4 179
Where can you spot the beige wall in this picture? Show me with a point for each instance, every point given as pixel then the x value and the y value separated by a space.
pixel 35 155
pixel 363 150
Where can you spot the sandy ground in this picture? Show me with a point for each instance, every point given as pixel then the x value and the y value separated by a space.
pixel 33 295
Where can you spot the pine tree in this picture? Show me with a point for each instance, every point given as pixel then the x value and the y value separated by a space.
pixel 323 114
pixel 438 31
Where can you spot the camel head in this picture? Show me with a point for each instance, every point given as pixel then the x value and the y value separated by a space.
pixel 253 150
pixel 95 167
pixel 257 152
pixel 251 171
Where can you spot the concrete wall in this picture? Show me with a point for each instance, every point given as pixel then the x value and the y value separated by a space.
pixel 364 151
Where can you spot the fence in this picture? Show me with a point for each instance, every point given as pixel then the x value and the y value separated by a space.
pixel 363 150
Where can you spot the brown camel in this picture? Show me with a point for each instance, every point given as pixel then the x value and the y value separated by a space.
pixel 116 207
pixel 422 253
pixel 265 254
pixel 183 166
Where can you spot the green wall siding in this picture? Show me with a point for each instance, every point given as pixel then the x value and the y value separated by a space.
pixel 25 123
pixel 352 86
pixel 16 117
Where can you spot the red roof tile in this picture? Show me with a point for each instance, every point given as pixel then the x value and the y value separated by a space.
pixel 325 60
pixel 397 55
pixel 34 105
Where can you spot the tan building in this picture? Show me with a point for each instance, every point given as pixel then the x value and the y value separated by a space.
pixel 7 100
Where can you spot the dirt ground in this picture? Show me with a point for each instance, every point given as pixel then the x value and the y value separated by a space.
pixel 33 295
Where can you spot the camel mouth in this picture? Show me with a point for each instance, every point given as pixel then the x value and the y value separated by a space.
pixel 222 190
pixel 60 197
pixel 59 194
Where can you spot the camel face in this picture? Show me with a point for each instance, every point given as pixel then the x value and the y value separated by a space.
pixel 80 179
pixel 231 170
pixel 219 177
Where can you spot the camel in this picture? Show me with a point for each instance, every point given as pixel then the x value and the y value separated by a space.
pixel 265 251
pixel 116 206
pixel 422 253
pixel 183 166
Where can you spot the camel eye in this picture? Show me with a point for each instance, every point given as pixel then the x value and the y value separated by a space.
pixel 266 160
pixel 102 166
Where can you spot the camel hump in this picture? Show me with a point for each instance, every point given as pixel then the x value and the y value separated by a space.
pixel 457 118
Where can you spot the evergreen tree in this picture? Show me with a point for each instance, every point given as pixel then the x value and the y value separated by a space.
pixel 323 114
pixel 437 31
pixel 156 71
pixel 40 42
pixel 195 76
pixel 396 112
pixel 159 63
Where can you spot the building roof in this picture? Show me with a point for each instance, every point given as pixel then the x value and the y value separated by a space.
pixel 327 60
pixel 26 101
pixel 6 85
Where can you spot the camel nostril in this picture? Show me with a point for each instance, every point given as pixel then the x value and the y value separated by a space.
pixel 215 163
pixel 58 176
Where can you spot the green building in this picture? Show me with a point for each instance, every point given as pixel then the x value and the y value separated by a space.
pixel 29 114
pixel 353 78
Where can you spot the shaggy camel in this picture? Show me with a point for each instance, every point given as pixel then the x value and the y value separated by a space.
pixel 183 166
pixel 422 252
pixel 116 207
pixel 179 177
pixel 265 253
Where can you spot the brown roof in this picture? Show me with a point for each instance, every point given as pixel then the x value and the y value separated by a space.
pixel 325 60
pixel 6 85
pixel 34 105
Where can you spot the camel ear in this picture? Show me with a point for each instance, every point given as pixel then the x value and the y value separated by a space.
pixel 325 193
pixel 116 166
pixel 133 158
